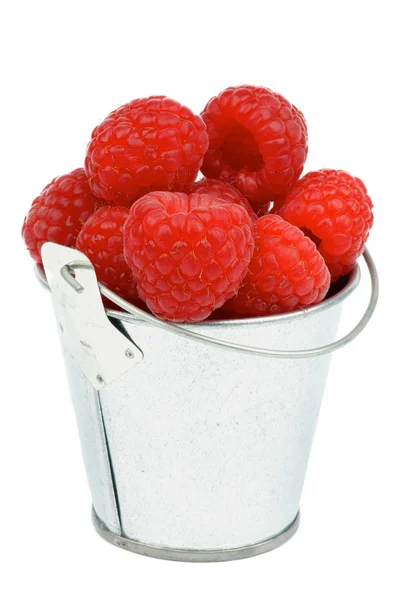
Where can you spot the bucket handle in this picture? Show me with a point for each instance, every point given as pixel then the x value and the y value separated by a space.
pixel 67 273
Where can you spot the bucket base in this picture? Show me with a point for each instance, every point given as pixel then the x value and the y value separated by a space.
pixel 186 555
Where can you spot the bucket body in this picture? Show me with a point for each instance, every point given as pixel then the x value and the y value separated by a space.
pixel 198 447
pixel 197 452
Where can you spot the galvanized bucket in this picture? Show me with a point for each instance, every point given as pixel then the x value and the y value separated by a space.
pixel 195 438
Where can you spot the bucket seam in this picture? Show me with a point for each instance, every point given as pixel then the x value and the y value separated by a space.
pixel 111 469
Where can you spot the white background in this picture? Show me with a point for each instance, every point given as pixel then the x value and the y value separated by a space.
pixel 65 66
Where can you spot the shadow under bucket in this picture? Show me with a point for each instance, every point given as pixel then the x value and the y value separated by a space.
pixel 195 439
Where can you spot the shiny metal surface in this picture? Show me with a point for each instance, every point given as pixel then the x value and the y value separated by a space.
pixel 208 448
pixel 195 555
pixel 82 320
pixel 93 443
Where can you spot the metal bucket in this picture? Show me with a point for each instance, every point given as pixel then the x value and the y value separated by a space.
pixel 195 439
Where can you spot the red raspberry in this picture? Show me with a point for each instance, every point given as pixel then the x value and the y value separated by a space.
pixel 101 240
pixel 148 144
pixel 334 209
pixel 286 271
pixel 223 190
pixel 58 214
pixel 262 210
pixel 188 254
pixel 257 142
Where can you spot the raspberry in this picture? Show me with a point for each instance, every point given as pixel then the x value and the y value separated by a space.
pixel 334 209
pixel 262 210
pixel 148 144
pixel 188 254
pixel 257 142
pixel 286 271
pixel 58 214
pixel 223 190
pixel 101 240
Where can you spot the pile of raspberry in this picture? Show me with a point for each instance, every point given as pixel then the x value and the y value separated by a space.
pixel 251 238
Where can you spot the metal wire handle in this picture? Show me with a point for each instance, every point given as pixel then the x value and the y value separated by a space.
pixel 68 271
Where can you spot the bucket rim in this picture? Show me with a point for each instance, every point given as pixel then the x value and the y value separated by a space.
pixel 351 284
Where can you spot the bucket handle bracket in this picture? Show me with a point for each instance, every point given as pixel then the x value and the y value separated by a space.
pixel 103 352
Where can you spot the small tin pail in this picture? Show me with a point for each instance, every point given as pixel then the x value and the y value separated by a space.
pixel 195 439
